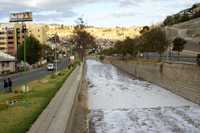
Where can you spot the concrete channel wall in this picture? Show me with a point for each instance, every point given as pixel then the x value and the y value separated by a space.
pixel 181 79
pixel 58 116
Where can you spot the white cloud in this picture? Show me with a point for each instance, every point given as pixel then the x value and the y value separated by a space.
pixel 97 12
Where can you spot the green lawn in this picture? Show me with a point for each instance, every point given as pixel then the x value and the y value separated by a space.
pixel 18 117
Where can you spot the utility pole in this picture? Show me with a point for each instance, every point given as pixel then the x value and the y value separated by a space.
pixel 25 43
pixel 25 39
pixel 55 42
pixel 56 59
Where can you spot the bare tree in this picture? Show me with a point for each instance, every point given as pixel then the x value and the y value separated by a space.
pixel 81 38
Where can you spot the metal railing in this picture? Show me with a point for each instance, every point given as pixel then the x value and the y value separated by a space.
pixel 171 58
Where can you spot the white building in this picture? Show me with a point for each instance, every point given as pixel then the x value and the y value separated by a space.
pixel 7 63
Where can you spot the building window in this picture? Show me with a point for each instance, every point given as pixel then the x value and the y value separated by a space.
pixel 9 32
pixel 10 42
pixel 2 64
pixel 7 64
pixel 10 37
pixel 2 43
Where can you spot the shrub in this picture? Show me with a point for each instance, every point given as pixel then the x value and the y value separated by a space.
pixel 101 57
pixel 61 73
pixel 78 62
pixel 3 106
pixel 178 44
pixel 53 76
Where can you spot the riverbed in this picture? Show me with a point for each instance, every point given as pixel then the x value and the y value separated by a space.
pixel 121 103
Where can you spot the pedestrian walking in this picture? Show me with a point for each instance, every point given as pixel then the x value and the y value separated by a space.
pixel 10 84
pixel 5 84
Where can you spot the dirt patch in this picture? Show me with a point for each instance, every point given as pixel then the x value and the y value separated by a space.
pixel 80 124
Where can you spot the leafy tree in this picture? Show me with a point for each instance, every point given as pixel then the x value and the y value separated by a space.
pixel 155 41
pixel 108 51
pixel 47 53
pixel 119 48
pixel 184 17
pixel 127 46
pixel 178 44
pixel 82 39
pixel 169 20
pixel 33 50
pixel 130 46
pixel 145 29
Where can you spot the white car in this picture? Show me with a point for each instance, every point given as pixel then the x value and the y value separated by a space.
pixel 50 67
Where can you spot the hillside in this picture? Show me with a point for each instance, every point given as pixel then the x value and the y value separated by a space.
pixel 185 15
pixel 189 30
pixel 117 33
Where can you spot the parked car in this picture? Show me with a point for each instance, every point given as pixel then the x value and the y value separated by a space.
pixel 50 67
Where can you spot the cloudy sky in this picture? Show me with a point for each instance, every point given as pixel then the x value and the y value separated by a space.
pixel 96 12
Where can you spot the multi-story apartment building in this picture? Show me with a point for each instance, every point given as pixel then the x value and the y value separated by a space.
pixel 3 40
pixel 11 36
pixel 38 31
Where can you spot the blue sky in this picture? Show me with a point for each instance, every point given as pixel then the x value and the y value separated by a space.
pixel 103 13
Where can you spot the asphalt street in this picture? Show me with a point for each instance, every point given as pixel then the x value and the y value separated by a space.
pixel 23 78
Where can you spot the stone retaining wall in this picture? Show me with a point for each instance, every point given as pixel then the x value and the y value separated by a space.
pixel 181 79
pixel 58 116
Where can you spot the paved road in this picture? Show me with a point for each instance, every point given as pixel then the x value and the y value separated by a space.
pixel 22 78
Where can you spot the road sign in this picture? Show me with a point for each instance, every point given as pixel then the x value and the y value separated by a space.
pixel 21 17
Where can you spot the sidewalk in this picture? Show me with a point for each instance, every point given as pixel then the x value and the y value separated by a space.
pixel 56 117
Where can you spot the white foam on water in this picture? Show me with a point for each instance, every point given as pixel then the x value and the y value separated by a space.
pixel 121 104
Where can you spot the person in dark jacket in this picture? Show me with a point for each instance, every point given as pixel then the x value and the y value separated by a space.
pixel 10 84
pixel 5 85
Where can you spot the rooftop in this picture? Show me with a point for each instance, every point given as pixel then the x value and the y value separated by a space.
pixel 6 57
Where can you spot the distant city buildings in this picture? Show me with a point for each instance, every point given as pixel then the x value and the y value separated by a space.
pixel 105 43
pixel 12 35
pixel 115 33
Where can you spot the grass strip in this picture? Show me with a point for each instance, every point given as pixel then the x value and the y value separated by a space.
pixel 18 110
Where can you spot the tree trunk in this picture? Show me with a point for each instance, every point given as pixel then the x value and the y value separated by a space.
pixel 178 56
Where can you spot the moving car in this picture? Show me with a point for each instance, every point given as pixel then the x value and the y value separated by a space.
pixel 50 67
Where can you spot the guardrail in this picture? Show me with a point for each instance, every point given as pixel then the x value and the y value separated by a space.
pixel 172 59
pixel 181 59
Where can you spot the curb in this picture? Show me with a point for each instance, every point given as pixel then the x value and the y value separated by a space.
pixel 58 115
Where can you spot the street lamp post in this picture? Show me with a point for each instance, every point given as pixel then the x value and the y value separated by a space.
pixel 56 59
pixel 55 42
pixel 25 41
